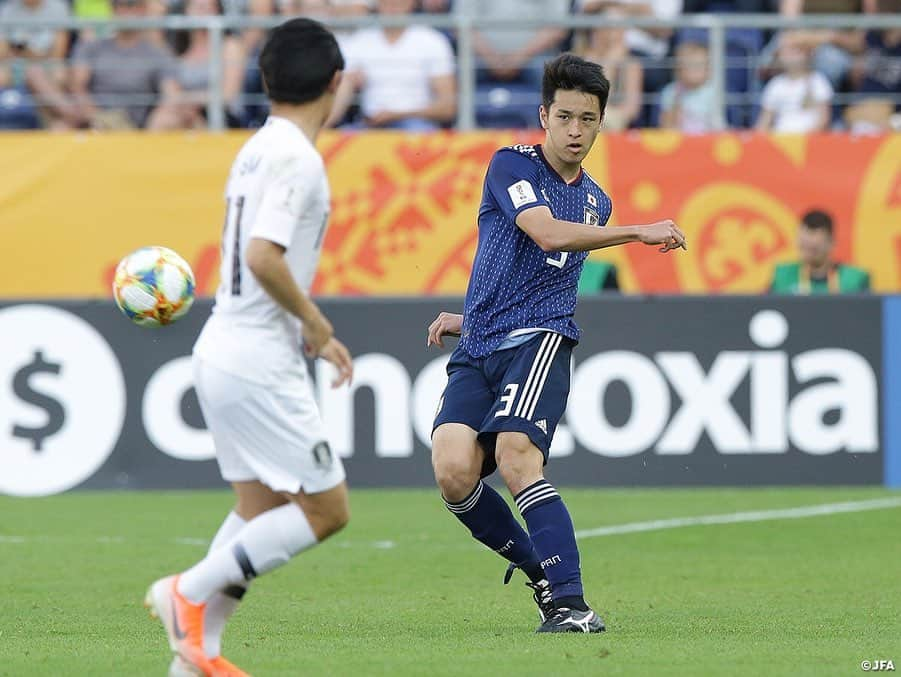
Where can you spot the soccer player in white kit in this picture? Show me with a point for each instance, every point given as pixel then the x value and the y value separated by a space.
pixel 250 375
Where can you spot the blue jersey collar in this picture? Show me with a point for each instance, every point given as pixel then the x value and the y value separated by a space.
pixel 575 182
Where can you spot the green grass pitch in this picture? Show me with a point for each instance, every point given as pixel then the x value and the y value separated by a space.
pixel 405 591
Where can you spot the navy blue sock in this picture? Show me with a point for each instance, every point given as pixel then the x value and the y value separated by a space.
pixel 554 538
pixel 491 522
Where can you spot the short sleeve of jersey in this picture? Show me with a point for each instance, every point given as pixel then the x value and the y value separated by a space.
pixel 285 199
pixel 514 183
pixel 353 51
pixel 439 55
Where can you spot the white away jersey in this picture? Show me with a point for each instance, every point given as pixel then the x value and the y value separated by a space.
pixel 277 190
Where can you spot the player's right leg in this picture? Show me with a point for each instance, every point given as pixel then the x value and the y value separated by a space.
pixel 458 459
pixel 268 541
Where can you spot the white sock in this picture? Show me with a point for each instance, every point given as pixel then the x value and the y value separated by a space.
pixel 263 544
pixel 221 605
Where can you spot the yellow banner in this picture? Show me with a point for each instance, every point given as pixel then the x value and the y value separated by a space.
pixel 72 205
pixel 404 207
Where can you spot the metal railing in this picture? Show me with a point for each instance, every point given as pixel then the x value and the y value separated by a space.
pixel 463 25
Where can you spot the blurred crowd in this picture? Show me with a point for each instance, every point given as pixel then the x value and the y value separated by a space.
pixel 406 77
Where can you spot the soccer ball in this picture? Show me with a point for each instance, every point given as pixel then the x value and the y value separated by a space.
pixel 153 286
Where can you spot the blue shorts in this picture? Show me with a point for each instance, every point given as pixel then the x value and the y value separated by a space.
pixel 521 389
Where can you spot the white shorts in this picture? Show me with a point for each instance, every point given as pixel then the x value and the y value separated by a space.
pixel 274 435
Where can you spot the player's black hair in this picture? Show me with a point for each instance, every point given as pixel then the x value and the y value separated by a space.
pixel 299 60
pixel 572 72
pixel 817 219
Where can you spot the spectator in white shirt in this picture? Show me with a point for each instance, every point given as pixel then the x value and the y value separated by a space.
pixel 798 100
pixel 405 75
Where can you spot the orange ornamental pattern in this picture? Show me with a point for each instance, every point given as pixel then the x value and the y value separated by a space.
pixel 738 198
pixel 404 206
pixel 404 211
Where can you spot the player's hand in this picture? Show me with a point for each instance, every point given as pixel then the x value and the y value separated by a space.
pixel 504 66
pixel 515 62
pixel 337 353
pixel 446 324
pixel 382 118
pixel 316 331
pixel 666 233
pixel 504 73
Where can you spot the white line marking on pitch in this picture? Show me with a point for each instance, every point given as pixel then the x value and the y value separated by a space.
pixel 738 517
pixel 378 545
pixel 612 530
pixel 204 542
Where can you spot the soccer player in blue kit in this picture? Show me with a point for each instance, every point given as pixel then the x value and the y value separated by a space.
pixel 508 378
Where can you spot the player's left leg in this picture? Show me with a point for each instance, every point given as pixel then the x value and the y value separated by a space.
pixel 520 464
pixel 534 378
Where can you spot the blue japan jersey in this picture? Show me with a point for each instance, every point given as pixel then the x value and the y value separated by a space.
pixel 514 284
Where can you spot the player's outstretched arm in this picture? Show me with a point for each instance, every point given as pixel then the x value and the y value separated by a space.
pixel 266 261
pixel 446 324
pixel 554 235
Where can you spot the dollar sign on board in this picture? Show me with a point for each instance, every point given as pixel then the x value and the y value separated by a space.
pixel 23 389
